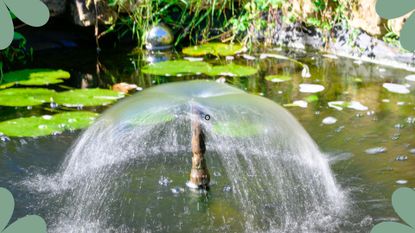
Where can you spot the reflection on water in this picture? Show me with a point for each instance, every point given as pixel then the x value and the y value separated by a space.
pixel 388 122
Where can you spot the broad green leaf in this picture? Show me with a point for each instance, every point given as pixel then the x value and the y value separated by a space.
pixel 237 129
pixel 20 97
pixel 153 118
pixel 311 98
pixel 232 70
pixel 217 49
pixel 403 201
pixel 278 78
pixel 46 125
pixel 34 77
pixel 177 67
pixel 87 97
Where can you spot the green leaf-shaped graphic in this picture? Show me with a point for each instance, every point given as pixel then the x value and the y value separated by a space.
pixel 32 12
pixel 30 223
pixel 391 9
pixel 403 201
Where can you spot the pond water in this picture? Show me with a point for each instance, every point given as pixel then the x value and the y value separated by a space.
pixel 369 138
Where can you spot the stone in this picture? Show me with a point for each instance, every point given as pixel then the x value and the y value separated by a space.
pixel 363 15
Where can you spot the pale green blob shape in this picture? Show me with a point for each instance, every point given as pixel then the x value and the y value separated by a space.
pixel 237 129
pixel 391 9
pixel 32 12
pixel 403 202
pixel 177 67
pixel 216 49
pixel 47 125
pixel 87 97
pixel 6 25
pixel 19 97
pixel 34 77
pixel 30 223
pixel 278 78
pixel 232 70
pixel 407 38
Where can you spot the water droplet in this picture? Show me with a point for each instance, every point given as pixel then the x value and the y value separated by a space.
pixel 338 130
pixel 401 181
pixel 317 113
pixel 42 126
pixel 399 126
pixel 359 115
pixel 47 117
pixel 164 181
pixel 177 190
pixel 410 78
pixel 386 101
pixel 311 88
pixel 227 189
pixel 215 173
pixel 396 88
pixel 375 150
pixel 401 158
pixel 4 138
pixel 29 107
pixel 400 103
pixel 329 120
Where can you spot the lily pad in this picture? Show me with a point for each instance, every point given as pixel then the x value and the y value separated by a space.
pixel 177 67
pixel 87 97
pixel 153 118
pixel 20 97
pixel 34 77
pixel 311 88
pixel 278 78
pixel 232 70
pixel 396 88
pixel 46 125
pixel 216 49
pixel 237 129
pixel 339 105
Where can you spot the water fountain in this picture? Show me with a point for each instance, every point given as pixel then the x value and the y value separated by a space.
pixel 127 172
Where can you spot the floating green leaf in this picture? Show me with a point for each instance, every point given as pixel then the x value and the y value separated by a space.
pixel 232 70
pixel 278 78
pixel 177 67
pixel 216 49
pixel 153 118
pixel 34 77
pixel 47 125
pixel 25 96
pixel 237 129
pixel 87 97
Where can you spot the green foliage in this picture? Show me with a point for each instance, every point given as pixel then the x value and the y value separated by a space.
pixel 34 77
pixel 87 97
pixel 17 54
pixel 20 97
pixel 277 78
pixel 184 67
pixel 216 49
pixel 47 125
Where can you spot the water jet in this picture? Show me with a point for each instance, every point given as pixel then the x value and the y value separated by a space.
pixel 268 174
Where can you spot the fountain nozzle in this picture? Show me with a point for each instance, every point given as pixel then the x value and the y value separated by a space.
pixel 199 175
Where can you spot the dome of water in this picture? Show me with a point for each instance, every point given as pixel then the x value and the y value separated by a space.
pixel 127 172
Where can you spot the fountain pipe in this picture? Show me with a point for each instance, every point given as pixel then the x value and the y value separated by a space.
pixel 199 176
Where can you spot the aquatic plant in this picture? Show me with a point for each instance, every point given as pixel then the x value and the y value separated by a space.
pixel 34 77
pixel 47 124
pixel 216 49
